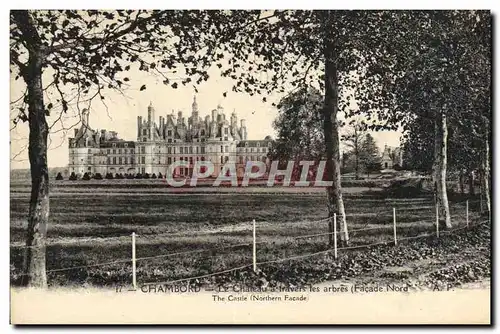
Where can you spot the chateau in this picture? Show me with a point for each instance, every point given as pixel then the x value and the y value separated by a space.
pixel 161 143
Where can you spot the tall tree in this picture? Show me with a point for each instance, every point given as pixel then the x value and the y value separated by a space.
pixel 292 49
pixel 430 79
pixel 90 52
pixel 299 126
pixel 370 155
pixel 353 139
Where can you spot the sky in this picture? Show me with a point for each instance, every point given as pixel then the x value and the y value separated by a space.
pixel 121 111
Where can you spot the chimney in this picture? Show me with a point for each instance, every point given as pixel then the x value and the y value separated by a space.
pixel 85 117
pixel 139 125
pixel 76 132
pixel 151 114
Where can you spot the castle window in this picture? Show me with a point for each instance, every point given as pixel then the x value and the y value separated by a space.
pixel 90 151
pixel 144 132
pixel 126 145
pixel 221 159
pixel 143 149
pixel 132 160
pixel 169 150
pixel 114 145
pixel 226 131
pixel 132 151
pixel 120 160
pixel 169 140
pixel 196 149
pixel 258 144
pixel 125 150
pixel 114 160
pixel 182 150
pixel 222 149
pixel 114 151
pixel 246 144
pixel 169 133
pixel 226 149
pixel 119 151
pixel 143 160
pixel 144 139
pixel 190 149
pixel 202 132
pixel 169 160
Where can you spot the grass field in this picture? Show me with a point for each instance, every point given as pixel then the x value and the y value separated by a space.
pixel 92 224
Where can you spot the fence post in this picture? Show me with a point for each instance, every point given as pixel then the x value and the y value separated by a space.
pixel 394 221
pixel 254 249
pixel 134 281
pixel 335 234
pixel 467 212
pixel 437 220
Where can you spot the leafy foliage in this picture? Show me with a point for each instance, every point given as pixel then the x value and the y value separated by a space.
pixel 299 127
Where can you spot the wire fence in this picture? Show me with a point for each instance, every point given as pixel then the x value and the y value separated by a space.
pixel 391 237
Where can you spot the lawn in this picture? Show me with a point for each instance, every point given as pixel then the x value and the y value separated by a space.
pixel 90 225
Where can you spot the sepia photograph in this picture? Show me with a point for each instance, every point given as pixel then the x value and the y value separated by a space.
pixel 229 166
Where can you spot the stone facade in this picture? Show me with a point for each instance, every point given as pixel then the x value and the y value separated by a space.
pixel 159 144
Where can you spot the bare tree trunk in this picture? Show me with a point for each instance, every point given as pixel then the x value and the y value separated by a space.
pixel 485 173
pixel 34 260
pixel 471 183
pixel 439 168
pixel 332 143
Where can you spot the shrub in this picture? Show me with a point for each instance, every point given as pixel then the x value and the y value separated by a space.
pixel 73 176
pixel 160 176
pixel 59 176
pixel 130 176
pixel 86 177
pixel 138 176
pixel 146 176
pixel 109 176
pixel 153 176
pixel 97 176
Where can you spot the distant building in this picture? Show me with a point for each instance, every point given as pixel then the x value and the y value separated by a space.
pixel 158 145
pixel 391 157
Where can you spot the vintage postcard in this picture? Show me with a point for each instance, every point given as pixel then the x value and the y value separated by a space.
pixel 250 166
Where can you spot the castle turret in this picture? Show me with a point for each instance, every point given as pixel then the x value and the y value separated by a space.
pixel 234 121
